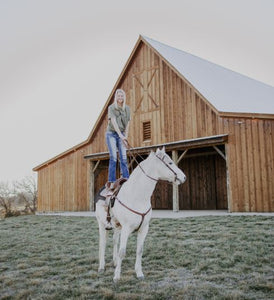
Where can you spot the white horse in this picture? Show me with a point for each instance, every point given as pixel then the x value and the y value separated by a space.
pixel 132 208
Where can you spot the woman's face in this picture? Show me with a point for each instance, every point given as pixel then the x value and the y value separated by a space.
pixel 120 98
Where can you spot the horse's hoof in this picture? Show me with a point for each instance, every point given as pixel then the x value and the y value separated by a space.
pixel 101 271
pixel 116 280
pixel 142 277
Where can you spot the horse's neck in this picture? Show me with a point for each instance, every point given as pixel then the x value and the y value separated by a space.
pixel 139 186
pixel 142 178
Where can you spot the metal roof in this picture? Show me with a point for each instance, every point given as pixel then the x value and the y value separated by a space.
pixel 226 90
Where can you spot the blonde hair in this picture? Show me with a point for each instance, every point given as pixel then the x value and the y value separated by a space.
pixel 115 98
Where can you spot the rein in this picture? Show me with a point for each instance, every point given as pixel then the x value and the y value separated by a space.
pixel 141 167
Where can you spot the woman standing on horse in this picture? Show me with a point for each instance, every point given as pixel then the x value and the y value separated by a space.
pixel 117 134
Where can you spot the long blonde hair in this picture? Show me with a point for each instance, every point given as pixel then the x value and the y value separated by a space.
pixel 115 98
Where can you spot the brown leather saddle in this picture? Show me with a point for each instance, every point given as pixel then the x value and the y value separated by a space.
pixel 117 184
pixel 114 192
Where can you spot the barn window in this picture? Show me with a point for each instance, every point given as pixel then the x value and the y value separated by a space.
pixel 146 131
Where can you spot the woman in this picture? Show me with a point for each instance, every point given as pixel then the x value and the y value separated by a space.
pixel 116 135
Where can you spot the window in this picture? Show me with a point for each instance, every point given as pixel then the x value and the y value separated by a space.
pixel 146 130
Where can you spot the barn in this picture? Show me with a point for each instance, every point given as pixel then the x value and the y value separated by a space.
pixel 216 124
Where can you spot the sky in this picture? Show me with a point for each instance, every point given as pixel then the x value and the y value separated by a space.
pixel 60 59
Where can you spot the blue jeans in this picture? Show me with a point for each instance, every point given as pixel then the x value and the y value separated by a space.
pixel 114 143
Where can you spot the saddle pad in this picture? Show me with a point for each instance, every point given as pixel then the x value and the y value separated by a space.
pixel 100 195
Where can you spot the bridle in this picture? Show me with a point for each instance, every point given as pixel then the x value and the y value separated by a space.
pixel 161 159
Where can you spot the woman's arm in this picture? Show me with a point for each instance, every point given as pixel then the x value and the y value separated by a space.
pixel 116 127
pixel 126 132
pixel 121 136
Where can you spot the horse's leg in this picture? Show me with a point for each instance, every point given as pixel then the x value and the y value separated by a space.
pixel 125 232
pixel 102 247
pixel 139 251
pixel 116 235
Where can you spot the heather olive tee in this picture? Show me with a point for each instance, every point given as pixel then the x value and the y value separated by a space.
pixel 122 117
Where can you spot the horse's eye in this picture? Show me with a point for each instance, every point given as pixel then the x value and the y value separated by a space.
pixel 170 163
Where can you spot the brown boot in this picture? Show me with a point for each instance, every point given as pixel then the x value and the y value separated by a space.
pixel 109 188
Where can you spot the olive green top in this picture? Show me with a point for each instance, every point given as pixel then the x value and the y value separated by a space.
pixel 122 117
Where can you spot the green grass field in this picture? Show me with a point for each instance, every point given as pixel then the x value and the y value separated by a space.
pixel 49 257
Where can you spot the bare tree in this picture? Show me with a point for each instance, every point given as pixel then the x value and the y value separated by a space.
pixel 26 191
pixel 7 197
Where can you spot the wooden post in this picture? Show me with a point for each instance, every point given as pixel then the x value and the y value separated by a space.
pixel 227 179
pixel 175 192
pixel 91 186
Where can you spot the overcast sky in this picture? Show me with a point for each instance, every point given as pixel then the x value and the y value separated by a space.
pixel 59 60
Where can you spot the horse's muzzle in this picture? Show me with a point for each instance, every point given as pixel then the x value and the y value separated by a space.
pixel 181 180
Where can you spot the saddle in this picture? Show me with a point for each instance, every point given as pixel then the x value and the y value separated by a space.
pixel 117 184
pixel 112 193
pixel 106 192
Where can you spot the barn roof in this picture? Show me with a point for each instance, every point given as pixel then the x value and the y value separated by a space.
pixel 226 90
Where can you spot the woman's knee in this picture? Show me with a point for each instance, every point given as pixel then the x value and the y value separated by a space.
pixel 113 158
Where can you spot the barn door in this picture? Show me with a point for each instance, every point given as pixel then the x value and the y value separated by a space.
pixel 205 187
pixel 146 105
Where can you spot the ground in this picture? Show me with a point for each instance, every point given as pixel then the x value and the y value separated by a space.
pixel 221 257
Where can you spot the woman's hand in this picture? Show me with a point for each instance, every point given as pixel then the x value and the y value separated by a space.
pixel 124 141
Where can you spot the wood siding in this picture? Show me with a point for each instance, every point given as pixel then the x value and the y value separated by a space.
pixel 63 185
pixel 156 93
pixel 250 164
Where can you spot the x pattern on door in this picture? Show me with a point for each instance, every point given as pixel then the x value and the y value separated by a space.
pixel 144 80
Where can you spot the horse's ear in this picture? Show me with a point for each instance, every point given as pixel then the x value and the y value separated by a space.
pixel 160 152
pixel 151 153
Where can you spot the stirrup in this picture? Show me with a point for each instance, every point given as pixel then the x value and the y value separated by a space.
pixel 108 224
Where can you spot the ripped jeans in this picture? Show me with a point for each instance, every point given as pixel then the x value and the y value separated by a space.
pixel 114 143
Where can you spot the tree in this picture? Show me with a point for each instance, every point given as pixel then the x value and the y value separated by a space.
pixel 26 191
pixel 7 197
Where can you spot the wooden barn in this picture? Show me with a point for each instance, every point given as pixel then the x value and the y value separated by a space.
pixel 216 124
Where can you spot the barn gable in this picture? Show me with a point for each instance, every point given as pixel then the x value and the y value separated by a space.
pixel 170 105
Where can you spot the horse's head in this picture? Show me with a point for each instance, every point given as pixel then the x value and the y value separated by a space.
pixel 166 168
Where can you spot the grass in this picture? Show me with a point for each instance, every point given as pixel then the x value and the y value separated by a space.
pixel 49 257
